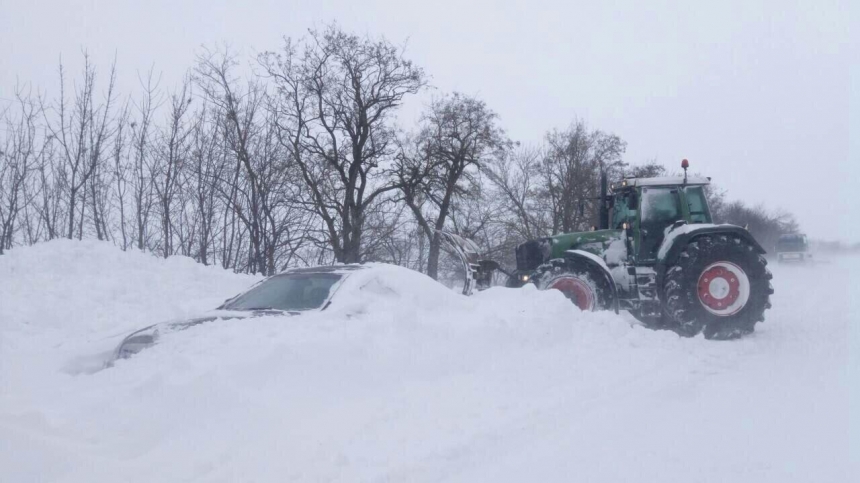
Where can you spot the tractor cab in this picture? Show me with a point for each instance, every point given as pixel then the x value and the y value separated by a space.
pixel 646 207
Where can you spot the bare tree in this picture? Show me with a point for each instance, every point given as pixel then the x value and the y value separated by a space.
pixel 573 162
pixel 142 158
pixel 338 94
pixel 121 172
pixel 205 170
pixel 19 155
pixel 168 164
pixel 82 131
pixel 516 179
pixel 458 136
pixel 49 206
pixel 263 191
pixel 240 112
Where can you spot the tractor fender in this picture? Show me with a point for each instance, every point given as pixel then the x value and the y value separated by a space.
pixel 596 262
pixel 680 236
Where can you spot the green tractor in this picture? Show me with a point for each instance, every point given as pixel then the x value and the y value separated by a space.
pixel 656 254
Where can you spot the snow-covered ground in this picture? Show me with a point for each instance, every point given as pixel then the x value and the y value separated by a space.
pixel 421 384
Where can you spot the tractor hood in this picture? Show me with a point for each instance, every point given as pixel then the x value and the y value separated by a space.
pixel 601 243
pixel 606 244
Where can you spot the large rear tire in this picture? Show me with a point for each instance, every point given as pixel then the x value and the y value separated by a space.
pixel 719 286
pixel 578 281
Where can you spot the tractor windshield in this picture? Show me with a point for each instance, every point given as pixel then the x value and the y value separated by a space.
pixel 660 208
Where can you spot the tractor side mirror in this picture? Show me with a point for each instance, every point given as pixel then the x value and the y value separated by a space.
pixel 633 202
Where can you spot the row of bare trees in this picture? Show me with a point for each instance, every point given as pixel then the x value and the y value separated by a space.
pixel 302 162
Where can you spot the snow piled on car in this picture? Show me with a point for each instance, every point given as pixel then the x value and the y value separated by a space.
pixel 401 379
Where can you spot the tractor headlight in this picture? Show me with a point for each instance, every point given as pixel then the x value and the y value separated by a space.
pixel 524 278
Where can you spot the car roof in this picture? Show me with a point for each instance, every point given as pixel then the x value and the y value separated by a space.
pixel 340 268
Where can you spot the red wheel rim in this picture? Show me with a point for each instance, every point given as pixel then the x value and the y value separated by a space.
pixel 579 292
pixel 718 287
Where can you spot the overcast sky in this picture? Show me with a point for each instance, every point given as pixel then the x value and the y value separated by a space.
pixel 756 94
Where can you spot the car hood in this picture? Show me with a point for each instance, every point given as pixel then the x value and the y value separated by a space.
pixel 148 336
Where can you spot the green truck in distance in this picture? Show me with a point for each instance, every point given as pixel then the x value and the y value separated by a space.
pixel 792 248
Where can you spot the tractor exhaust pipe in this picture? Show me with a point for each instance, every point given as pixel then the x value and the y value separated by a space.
pixel 603 223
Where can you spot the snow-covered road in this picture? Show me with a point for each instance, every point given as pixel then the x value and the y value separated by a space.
pixel 511 385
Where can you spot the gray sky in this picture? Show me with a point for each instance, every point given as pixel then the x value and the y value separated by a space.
pixel 756 94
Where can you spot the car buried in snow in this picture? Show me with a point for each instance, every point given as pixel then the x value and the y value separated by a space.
pixel 289 293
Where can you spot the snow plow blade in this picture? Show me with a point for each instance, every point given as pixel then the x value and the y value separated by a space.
pixel 477 273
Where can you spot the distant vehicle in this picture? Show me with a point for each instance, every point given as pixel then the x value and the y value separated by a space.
pixel 286 294
pixel 792 248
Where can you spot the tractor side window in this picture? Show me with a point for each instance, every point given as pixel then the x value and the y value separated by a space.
pixel 624 209
pixel 698 205
pixel 632 201
pixel 619 212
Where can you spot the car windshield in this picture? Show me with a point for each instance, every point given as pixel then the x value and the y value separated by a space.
pixel 289 291
pixel 791 243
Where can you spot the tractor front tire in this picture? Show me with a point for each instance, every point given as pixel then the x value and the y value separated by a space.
pixel 578 281
pixel 719 286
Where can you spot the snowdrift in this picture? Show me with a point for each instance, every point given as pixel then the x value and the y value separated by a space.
pixel 412 382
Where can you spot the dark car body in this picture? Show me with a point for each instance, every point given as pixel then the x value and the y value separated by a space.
pixel 286 294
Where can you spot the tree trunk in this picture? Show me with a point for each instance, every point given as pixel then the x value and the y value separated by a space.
pixel 433 256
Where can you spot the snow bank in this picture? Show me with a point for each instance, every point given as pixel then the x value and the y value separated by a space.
pixel 90 293
pixel 407 382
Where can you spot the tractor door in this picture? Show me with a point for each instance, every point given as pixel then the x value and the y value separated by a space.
pixel 624 209
pixel 659 209
pixel 697 203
